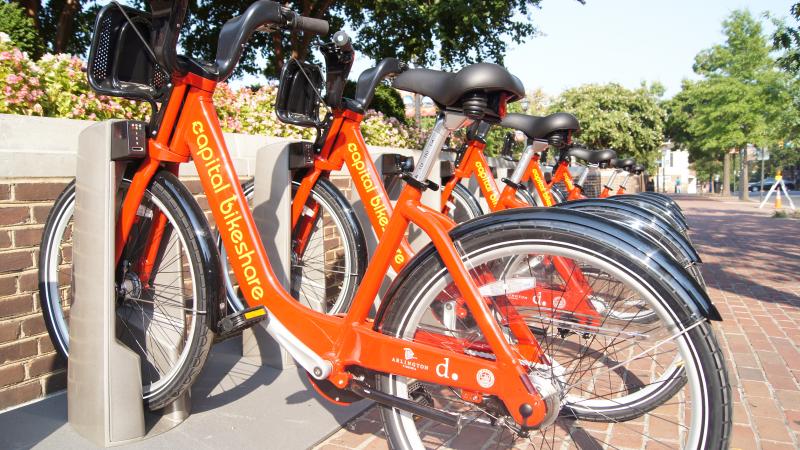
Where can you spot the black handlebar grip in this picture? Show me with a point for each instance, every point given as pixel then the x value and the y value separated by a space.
pixel 309 25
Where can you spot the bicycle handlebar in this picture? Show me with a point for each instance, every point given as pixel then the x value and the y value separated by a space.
pixel 308 24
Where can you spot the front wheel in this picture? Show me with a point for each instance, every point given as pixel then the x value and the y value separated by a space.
pixel 160 316
pixel 667 373
pixel 325 274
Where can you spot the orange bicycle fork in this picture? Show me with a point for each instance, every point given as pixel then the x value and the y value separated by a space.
pixel 326 346
pixel 344 145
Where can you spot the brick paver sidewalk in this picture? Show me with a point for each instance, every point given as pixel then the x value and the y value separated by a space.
pixel 752 267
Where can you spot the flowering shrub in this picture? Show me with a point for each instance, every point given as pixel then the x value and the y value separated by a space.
pixel 20 82
pixel 55 86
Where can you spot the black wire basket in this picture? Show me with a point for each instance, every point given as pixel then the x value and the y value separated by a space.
pixel 299 96
pixel 121 62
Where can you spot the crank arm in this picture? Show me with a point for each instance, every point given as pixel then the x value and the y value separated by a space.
pixel 392 401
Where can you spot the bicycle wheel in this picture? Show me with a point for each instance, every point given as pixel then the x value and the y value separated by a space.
pixel 526 196
pixel 163 318
pixel 326 275
pixel 615 372
pixel 463 206
pixel 663 197
pixel 55 269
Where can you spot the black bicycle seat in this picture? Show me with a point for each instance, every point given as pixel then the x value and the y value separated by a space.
pixel 447 88
pixel 540 127
pixel 591 156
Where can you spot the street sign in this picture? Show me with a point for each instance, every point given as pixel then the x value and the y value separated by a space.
pixel 762 154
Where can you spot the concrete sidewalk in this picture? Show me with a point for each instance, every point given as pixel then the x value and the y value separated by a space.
pixel 752 266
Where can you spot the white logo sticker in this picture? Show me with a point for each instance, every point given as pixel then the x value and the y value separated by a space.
pixel 485 378
pixel 409 354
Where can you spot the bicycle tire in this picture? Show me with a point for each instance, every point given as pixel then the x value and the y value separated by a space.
pixel 181 210
pixel 466 205
pixel 405 304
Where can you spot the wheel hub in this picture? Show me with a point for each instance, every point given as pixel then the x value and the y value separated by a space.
pixel 549 381
pixel 131 286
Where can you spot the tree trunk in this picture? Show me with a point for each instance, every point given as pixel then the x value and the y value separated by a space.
pixel 726 174
pixel 66 22
pixel 743 178
pixel 711 183
pixel 31 8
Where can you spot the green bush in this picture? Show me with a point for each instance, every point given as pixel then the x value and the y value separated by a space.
pixel 386 101
pixel 55 86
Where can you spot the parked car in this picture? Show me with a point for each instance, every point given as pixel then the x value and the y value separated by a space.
pixel 768 182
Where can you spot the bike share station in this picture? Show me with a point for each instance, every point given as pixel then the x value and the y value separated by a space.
pixel 249 388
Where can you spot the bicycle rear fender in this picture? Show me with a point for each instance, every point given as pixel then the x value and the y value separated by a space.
pixel 602 229
pixel 636 212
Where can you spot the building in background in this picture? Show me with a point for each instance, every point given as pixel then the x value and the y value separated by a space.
pixel 673 173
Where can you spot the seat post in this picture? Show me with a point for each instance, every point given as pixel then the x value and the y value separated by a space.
pixel 446 123
pixel 525 159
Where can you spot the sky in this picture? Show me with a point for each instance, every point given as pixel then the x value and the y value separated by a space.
pixel 622 41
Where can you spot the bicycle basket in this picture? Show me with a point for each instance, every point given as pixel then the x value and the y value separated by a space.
pixel 298 101
pixel 120 64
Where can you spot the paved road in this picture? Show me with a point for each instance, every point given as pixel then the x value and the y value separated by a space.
pixel 752 267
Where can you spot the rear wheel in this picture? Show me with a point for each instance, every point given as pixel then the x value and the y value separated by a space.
pixel 463 206
pixel 666 372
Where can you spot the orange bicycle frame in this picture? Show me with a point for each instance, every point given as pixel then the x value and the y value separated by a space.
pixel 190 130
pixel 344 145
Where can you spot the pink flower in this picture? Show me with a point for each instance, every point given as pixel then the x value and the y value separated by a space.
pixel 13 79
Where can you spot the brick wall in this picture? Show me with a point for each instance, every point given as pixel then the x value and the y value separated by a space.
pixel 29 366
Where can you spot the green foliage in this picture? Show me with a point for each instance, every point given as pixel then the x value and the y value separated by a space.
pixel 386 100
pixel 741 98
pixel 786 39
pixel 55 86
pixel 611 116
pixel 419 31
pixel 21 29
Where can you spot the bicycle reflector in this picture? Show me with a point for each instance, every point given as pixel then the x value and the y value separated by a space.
pixel 299 99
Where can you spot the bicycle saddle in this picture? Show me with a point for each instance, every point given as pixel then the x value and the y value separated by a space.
pixel 638 168
pixel 591 156
pixel 624 164
pixel 540 127
pixel 448 88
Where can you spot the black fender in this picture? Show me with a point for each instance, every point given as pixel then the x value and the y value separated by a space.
pixel 209 257
pixel 655 206
pixel 637 214
pixel 697 300
pixel 665 198
pixel 350 218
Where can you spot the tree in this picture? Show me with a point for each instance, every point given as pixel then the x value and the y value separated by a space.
pixel 741 99
pixel 418 31
pixel 786 39
pixel 611 116
pixel 21 29
pixel 65 26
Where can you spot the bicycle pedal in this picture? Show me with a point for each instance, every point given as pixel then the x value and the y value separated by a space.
pixel 233 324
